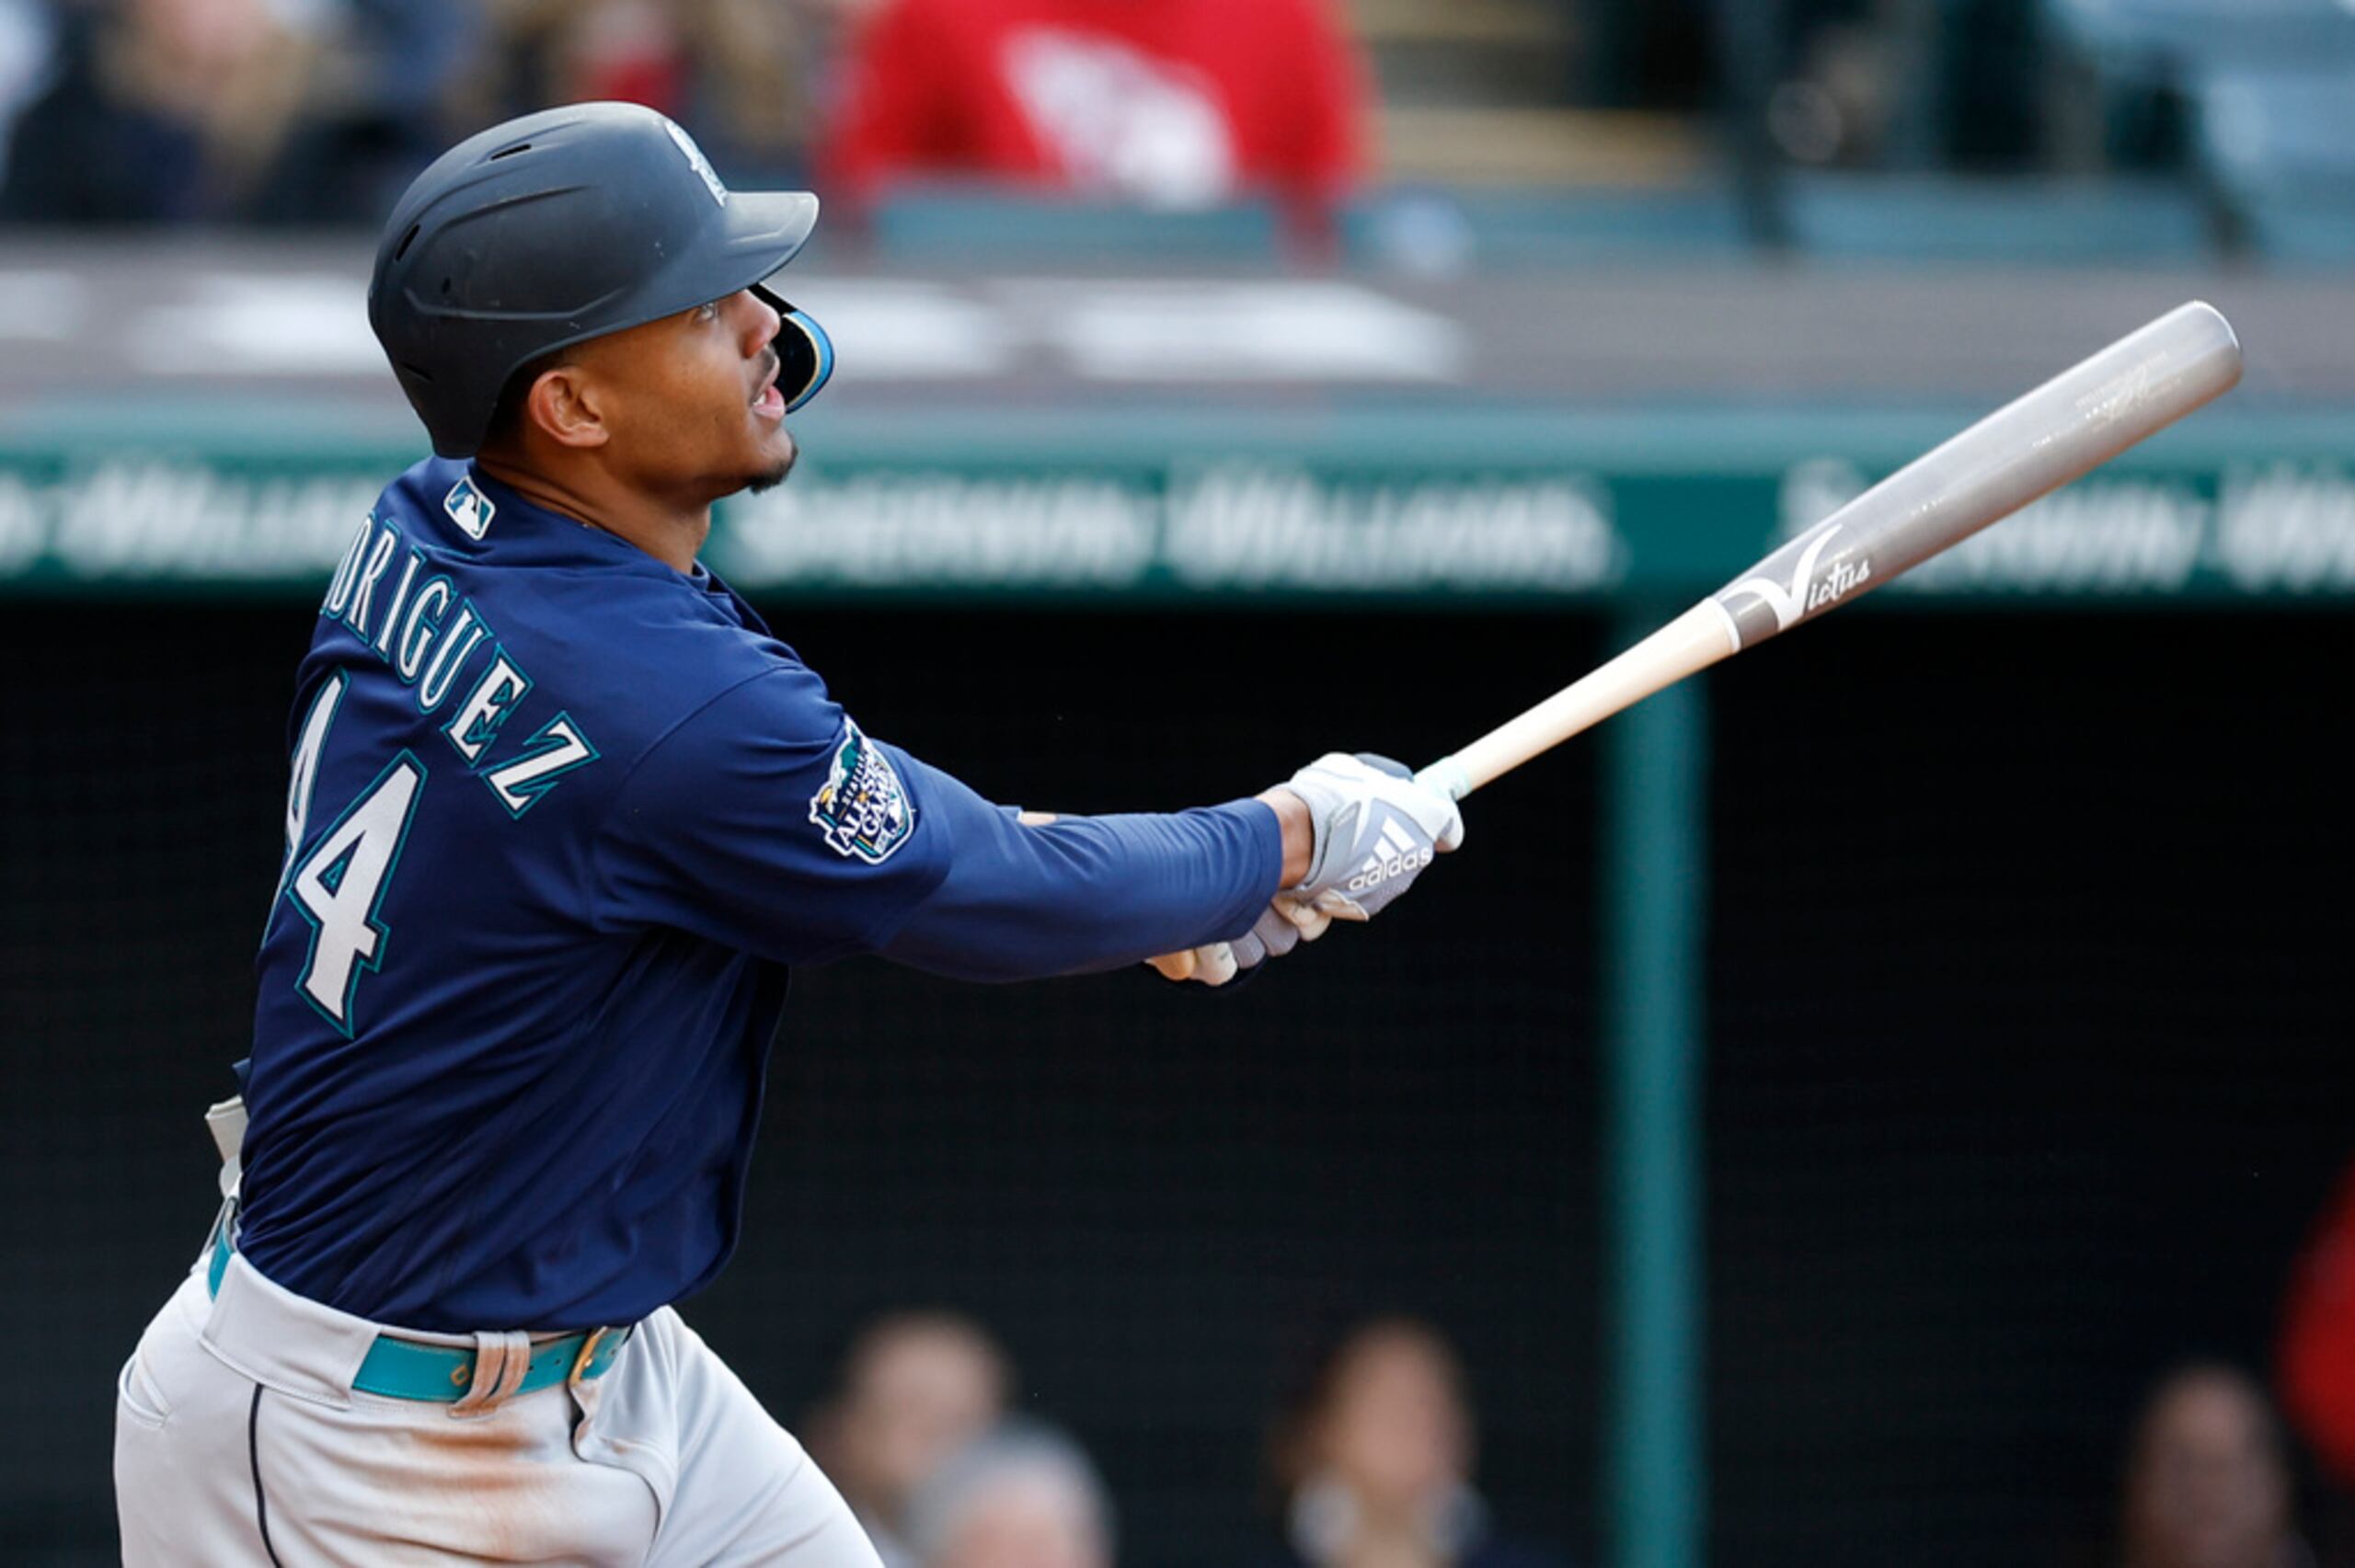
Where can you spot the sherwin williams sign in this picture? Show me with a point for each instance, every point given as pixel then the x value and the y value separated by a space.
pixel 1338 519
pixel 1243 526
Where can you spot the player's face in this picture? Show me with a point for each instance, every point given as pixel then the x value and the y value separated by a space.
pixel 693 408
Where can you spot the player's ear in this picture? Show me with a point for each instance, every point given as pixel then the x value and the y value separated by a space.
pixel 565 403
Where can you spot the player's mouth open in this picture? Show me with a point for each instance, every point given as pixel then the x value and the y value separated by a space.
pixel 768 402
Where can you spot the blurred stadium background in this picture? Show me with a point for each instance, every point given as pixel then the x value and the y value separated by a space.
pixel 1817 1106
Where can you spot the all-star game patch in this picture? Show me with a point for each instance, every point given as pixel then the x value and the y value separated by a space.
pixel 862 806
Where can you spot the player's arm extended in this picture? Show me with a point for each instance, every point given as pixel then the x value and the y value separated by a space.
pixel 1022 901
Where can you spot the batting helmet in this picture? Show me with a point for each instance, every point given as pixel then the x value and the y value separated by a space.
pixel 563 226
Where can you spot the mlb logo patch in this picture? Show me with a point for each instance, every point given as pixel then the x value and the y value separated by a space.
pixel 862 808
pixel 470 507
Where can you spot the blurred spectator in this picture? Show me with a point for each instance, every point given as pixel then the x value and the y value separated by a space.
pixel 160 110
pixel 1374 1464
pixel 734 72
pixel 2318 1340
pixel 1907 85
pixel 2208 1482
pixel 27 49
pixel 2318 1352
pixel 1024 1496
pixel 378 108
pixel 915 1387
pixel 1175 103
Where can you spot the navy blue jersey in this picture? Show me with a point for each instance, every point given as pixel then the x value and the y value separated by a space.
pixel 559 820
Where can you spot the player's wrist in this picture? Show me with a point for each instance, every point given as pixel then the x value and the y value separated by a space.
pixel 1298 825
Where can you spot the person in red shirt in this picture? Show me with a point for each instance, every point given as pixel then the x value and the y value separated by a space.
pixel 1166 103
pixel 2316 1367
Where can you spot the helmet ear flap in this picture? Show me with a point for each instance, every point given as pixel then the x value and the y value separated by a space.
pixel 805 354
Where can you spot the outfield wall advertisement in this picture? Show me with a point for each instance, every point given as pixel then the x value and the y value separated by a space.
pixel 1321 519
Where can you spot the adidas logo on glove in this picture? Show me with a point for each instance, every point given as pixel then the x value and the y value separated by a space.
pixel 1398 856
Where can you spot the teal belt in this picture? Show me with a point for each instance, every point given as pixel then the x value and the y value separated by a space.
pixel 408 1368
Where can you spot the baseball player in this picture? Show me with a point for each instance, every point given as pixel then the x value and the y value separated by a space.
pixel 562 814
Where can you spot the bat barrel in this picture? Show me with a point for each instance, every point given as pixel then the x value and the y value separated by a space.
pixel 2071 425
pixel 2078 420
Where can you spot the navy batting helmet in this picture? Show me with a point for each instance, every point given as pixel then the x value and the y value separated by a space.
pixel 562 227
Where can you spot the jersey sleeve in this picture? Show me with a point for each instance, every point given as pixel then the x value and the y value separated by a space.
pixel 1021 901
pixel 770 822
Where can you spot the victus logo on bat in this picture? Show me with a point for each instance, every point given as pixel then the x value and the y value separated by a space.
pixel 1837 579
pixel 1812 584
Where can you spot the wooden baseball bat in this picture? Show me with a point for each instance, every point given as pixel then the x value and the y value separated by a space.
pixel 2071 425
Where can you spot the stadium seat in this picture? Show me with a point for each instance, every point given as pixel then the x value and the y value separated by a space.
pixel 2198 30
pixel 1433 229
pixel 2274 85
pixel 2270 126
pixel 984 224
pixel 1842 216
pixel 2300 232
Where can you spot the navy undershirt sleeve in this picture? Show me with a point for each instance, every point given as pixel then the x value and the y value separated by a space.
pixel 1082 893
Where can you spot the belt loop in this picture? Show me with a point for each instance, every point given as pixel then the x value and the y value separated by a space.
pixel 501 1361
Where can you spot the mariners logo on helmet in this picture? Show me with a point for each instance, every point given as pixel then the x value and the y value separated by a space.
pixel 861 806
pixel 702 164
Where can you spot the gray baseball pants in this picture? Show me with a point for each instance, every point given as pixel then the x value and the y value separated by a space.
pixel 241 1440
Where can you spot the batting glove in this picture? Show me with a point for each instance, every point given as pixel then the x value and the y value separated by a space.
pixel 1284 924
pixel 1375 829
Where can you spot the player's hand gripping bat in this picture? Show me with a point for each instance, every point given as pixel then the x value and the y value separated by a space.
pixel 2074 423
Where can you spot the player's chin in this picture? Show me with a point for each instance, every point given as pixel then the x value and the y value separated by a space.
pixel 781 455
pixel 773 457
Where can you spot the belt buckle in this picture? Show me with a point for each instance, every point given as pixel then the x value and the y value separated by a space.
pixel 588 1343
